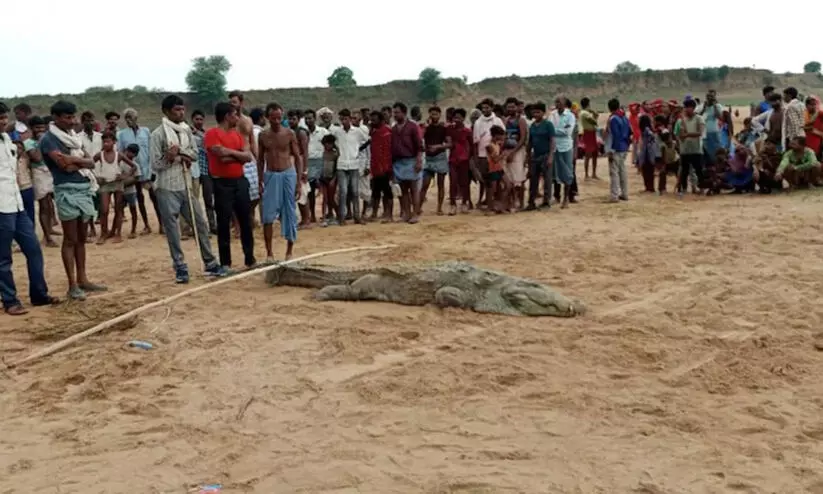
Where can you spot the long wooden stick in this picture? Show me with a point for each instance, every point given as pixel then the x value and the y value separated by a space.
pixel 107 324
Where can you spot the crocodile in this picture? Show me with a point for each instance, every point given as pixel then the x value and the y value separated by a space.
pixel 447 284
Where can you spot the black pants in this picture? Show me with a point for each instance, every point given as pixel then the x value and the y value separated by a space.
pixel 381 188
pixel 208 200
pixel 687 162
pixel 231 196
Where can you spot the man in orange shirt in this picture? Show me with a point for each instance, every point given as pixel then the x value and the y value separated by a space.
pixel 227 151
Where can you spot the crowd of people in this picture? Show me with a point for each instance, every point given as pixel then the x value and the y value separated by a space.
pixel 78 171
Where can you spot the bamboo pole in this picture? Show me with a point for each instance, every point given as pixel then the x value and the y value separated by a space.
pixel 111 322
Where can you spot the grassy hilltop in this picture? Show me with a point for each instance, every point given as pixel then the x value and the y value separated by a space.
pixel 737 86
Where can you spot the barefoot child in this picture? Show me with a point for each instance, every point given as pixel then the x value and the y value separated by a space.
pixel 327 185
pixel 107 170
pixel 494 178
pixel 131 175
pixel 43 182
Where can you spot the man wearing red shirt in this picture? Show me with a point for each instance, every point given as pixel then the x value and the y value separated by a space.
pixel 227 151
pixel 460 141
pixel 381 167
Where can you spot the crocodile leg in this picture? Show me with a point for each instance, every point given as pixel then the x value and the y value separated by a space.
pixel 367 287
pixel 449 296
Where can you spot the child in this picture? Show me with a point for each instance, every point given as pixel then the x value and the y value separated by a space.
pixel 740 175
pixel 327 179
pixel 494 178
pixel 43 181
pixel 131 175
pixel 109 176
pixel 303 204
pixel 715 172
pixel 765 168
pixel 24 180
pixel 670 159
pixel 647 152
pixel 748 136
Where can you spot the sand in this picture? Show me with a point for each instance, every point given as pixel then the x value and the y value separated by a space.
pixel 695 370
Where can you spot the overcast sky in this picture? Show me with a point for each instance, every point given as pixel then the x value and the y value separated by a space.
pixel 56 46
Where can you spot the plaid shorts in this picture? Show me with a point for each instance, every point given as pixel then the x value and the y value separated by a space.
pixel 250 172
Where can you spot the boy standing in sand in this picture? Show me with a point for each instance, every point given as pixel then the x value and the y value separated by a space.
pixel 279 185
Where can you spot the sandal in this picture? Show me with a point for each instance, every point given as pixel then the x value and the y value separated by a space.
pixel 46 301
pixel 16 310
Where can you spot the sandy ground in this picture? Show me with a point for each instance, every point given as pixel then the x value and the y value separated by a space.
pixel 695 371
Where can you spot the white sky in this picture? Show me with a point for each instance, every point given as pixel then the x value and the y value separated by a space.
pixel 57 46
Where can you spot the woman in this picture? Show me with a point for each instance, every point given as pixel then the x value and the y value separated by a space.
pixel 814 126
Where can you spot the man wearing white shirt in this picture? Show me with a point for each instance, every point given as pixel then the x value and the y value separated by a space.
pixel 565 124
pixel 15 225
pixel 482 138
pixel 314 165
pixel 349 141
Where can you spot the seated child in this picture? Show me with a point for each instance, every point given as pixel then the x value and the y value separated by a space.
pixel 740 175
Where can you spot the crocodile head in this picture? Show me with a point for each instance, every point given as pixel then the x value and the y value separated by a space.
pixel 533 299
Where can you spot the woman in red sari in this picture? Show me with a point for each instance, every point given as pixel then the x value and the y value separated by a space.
pixel 814 126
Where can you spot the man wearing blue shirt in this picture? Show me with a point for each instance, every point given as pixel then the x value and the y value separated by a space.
pixel 617 138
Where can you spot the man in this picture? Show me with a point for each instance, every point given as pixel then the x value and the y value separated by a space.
pixel 764 105
pixel 437 159
pixel 112 122
pixel 713 113
pixel 799 165
pixel 380 166
pixel 198 120
pixel 173 151
pixel 363 161
pixel 92 141
pixel 565 125
pixel 588 121
pixel 349 141
pixel 20 131
pixel 279 167
pixel 314 167
pixel 228 151
pixel 770 122
pixel 135 134
pixel 460 143
pixel 540 156
pixel 43 182
pixel 62 152
pixel 325 115
pixel 388 115
pixel 407 162
pixel 617 138
pixel 16 226
pixel 302 135
pixel 482 138
pixel 692 128
pixel 794 118
pixel 245 126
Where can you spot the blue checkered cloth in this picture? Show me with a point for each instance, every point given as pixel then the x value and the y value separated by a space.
pixel 250 171
pixel 202 157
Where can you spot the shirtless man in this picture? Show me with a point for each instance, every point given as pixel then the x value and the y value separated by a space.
pixel 244 123
pixel 279 184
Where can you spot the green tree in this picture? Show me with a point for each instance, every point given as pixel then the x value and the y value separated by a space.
pixel 429 85
pixel 342 77
pixel 207 78
pixel 812 68
pixel 626 68
pixel 140 89
pixel 100 89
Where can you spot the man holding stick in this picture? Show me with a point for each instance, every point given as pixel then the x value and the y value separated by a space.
pixel 172 153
